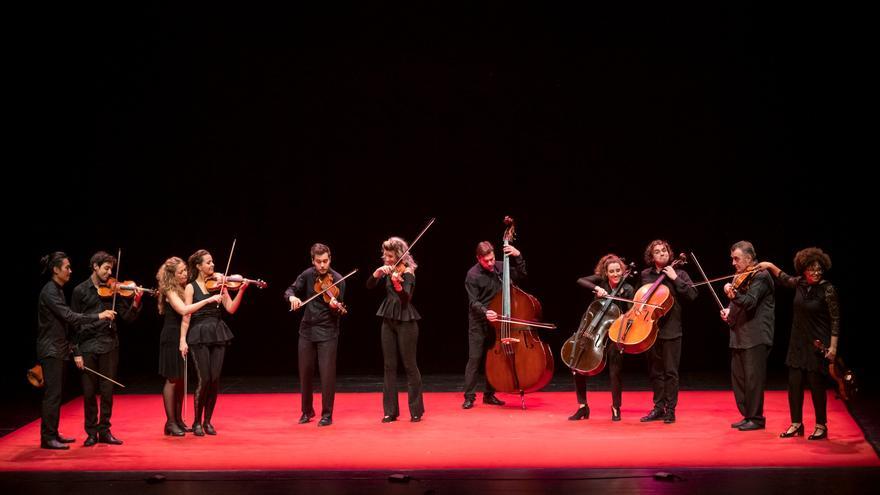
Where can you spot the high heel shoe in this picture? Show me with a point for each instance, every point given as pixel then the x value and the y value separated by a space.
pixel 615 413
pixel 173 430
pixel 583 412
pixel 819 433
pixel 197 430
pixel 793 431
pixel 209 429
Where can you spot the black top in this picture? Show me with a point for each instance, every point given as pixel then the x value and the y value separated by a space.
pixel 100 336
pixel 482 285
pixel 626 290
pixel 205 325
pixel 751 318
pixel 816 317
pixel 397 305
pixel 319 321
pixel 171 326
pixel 53 319
pixel 681 287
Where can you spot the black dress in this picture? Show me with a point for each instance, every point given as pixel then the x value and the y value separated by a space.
pixel 170 361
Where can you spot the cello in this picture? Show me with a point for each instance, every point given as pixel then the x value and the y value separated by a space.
pixel 519 362
pixel 584 351
pixel 636 330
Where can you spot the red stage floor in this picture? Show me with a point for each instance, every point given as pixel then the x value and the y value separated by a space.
pixel 259 432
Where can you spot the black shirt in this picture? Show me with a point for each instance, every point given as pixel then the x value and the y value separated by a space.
pixel 751 317
pixel 816 317
pixel 626 290
pixel 319 322
pixel 397 305
pixel 53 320
pixel 99 336
pixel 482 285
pixel 681 287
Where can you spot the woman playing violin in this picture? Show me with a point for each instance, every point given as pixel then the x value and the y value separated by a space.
pixel 171 278
pixel 208 335
pixel 318 331
pixel 816 317
pixel 750 317
pixel 607 275
pixel 400 328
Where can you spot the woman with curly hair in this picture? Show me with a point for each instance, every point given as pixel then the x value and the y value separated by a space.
pixel 816 317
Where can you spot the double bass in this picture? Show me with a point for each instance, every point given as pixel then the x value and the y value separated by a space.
pixel 518 362
pixel 584 351
pixel 636 330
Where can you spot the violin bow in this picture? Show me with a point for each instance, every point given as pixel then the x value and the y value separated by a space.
pixel 226 273
pixel 402 256
pixel 328 288
pixel 116 288
pixel 708 282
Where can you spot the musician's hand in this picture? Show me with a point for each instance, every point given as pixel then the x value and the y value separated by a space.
pixel 334 304
pixel 138 294
pixel 244 285
pixel 831 353
pixel 600 291
pixel 725 313
pixel 763 265
pixel 216 298
pixel 79 361
pixel 107 314
pixel 511 251
pixel 670 272
pixel 491 315
pixel 184 348
pixel 295 303
pixel 730 291
pixel 382 271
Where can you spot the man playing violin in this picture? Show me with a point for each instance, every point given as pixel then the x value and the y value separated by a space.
pixel 750 317
pixel 318 332
pixel 665 354
pixel 483 281
pixel 96 345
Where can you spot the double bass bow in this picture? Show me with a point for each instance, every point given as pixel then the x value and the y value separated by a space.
pixel 519 362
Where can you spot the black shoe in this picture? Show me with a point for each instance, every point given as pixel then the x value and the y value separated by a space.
pixel 197 430
pixel 793 431
pixel 90 440
pixel 325 421
pixel 739 423
pixel 54 445
pixel 173 430
pixel 184 427
pixel 388 419
pixel 819 433
pixel 654 415
pixel 492 400
pixel 468 403
pixel 64 439
pixel 615 413
pixel 581 413
pixel 751 426
pixel 415 419
pixel 209 429
pixel 305 418
pixel 669 418
pixel 107 437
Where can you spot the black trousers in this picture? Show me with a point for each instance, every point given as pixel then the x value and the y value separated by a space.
pixel 480 340
pixel 664 358
pixel 816 381
pixel 325 354
pixel 208 361
pixel 105 364
pixel 615 364
pixel 53 378
pixel 402 336
pixel 748 373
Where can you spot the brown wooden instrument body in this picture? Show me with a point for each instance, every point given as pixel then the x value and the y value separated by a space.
pixel 636 330
pixel 843 376
pixel 584 352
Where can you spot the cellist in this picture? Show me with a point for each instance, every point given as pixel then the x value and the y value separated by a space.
pixel 665 354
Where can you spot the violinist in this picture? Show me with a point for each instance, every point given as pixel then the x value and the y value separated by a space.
pixel 607 275
pixel 400 328
pixel 208 335
pixel 318 332
pixel 97 344
pixel 665 355
pixel 54 317
pixel 816 316
pixel 482 283
pixel 750 317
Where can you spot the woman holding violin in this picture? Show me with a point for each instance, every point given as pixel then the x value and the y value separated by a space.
pixel 207 335
pixel 400 327
pixel 607 276
pixel 318 331
pixel 665 355
pixel 816 317
pixel 96 344
pixel 171 278
pixel 750 317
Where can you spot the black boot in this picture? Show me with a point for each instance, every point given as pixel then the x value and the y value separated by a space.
pixel 583 412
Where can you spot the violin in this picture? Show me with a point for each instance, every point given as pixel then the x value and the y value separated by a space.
pixel 845 378
pixel 325 283
pixel 232 283
pixel 123 289
pixel 35 376
pixel 741 281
